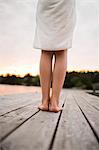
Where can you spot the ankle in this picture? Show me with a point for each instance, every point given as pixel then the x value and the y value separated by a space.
pixel 45 102
pixel 54 101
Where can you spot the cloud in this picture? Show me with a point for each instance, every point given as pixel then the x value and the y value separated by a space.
pixel 17 27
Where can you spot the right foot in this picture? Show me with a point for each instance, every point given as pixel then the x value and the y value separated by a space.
pixel 55 109
pixel 53 106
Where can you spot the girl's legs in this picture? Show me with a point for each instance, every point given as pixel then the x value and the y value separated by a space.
pixel 45 77
pixel 58 76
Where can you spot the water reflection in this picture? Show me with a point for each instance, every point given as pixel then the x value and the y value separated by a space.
pixel 14 89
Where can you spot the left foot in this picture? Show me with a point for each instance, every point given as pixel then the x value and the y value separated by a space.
pixel 43 107
pixel 53 106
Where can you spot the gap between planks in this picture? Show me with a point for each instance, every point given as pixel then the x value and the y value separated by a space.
pixel 53 131
pixel 78 98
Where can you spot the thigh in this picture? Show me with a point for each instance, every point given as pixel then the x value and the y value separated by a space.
pixel 60 52
pixel 47 53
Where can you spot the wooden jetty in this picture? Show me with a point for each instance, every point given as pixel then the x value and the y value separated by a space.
pixel 24 127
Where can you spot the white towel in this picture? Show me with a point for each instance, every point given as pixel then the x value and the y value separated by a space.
pixel 55 22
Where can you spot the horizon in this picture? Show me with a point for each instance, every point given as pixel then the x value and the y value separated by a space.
pixel 22 75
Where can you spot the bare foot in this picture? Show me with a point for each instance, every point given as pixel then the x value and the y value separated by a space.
pixel 53 106
pixel 55 109
pixel 43 107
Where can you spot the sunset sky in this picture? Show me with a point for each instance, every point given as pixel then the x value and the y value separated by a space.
pixel 17 27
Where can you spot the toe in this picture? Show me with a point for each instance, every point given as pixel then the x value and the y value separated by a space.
pixel 41 107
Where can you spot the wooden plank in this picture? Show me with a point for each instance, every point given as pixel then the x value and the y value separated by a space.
pixel 10 103
pixel 92 99
pixel 12 120
pixel 32 134
pixel 73 132
pixel 9 122
pixel 90 113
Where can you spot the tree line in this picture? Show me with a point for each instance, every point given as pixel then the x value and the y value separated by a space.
pixel 83 80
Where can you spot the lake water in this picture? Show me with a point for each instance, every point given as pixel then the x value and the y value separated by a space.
pixel 14 89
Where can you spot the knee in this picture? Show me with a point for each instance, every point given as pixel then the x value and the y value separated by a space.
pixel 61 52
pixel 47 53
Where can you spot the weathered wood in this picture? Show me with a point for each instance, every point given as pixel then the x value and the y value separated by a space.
pixel 35 134
pixel 23 126
pixel 73 132
pixel 13 119
pixel 9 122
pixel 92 99
pixel 10 103
pixel 95 87
pixel 90 113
